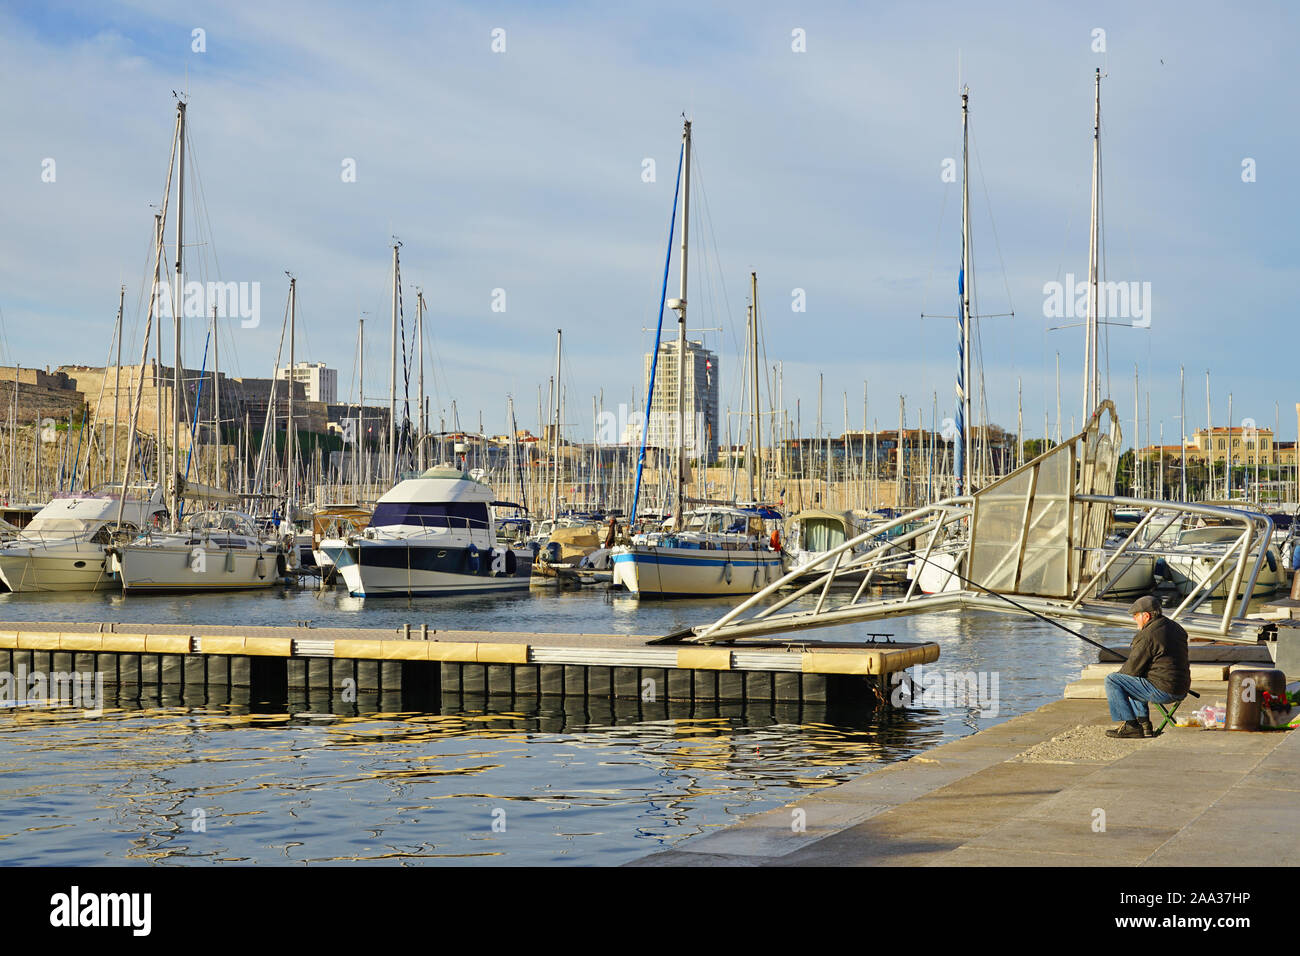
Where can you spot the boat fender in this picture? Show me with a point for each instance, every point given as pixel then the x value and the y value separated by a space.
pixel 471 559
pixel 726 571
pixel 1272 562
pixel 260 568
pixel 280 568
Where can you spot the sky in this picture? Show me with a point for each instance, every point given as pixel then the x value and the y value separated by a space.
pixel 506 146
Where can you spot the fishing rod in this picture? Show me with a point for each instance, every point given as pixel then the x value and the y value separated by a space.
pixel 1016 604
pixel 1041 617
pixel 678 636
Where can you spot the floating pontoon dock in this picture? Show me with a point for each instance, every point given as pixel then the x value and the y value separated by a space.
pixel 414 667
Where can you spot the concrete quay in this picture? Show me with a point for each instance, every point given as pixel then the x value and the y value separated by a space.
pixel 1047 788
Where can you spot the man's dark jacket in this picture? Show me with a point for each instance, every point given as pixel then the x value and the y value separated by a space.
pixel 1159 653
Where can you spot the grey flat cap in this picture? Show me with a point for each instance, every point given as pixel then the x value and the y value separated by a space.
pixel 1147 603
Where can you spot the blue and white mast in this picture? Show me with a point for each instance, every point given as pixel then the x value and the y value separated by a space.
pixel 654 356
pixel 1091 375
pixel 961 452
pixel 678 305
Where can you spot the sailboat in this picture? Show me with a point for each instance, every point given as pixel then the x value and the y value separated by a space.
pixel 711 551
pixel 212 550
pixel 68 544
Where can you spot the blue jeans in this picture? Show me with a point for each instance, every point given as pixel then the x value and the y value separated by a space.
pixel 1129 695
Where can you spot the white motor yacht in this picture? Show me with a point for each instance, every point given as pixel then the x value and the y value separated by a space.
pixel 63 548
pixel 429 535
pixel 1199 549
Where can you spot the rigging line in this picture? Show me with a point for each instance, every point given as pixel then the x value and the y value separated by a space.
pixel 1006 282
pixel 403 435
pixel 1101 266
pixel 654 361
pixel 268 427
pixel 934 253
pixel 761 344
pixel 713 236
pixel 206 221
pixel 141 294
pixel 993 226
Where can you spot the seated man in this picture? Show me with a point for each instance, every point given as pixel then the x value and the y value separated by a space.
pixel 1156 670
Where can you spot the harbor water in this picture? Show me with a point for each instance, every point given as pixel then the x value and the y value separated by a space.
pixel 166 782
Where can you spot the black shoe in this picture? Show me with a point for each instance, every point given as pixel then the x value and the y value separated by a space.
pixel 1130 728
pixel 1147 731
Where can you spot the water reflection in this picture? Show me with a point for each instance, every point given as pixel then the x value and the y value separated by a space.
pixel 190 778
pixel 299 787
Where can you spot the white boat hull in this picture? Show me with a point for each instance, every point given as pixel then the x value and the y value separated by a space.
pixel 651 571
pixel 77 566
pixel 143 567
pixel 1132 581
pixel 385 569
pixel 1186 571
pixel 938 573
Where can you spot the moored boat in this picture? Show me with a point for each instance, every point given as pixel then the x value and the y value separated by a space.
pixel 214 551
pixel 431 534
pixel 63 548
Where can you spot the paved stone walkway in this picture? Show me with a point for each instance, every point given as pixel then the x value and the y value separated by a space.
pixel 1190 797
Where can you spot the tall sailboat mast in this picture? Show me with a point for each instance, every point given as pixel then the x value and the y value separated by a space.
pixel 289 427
pixel 555 430
pixel 155 311
pixel 419 351
pixel 216 399
pixel 360 467
pixel 1091 380
pixel 392 378
pixel 117 376
pixel 678 305
pixel 177 294
pixel 962 454
pixel 756 475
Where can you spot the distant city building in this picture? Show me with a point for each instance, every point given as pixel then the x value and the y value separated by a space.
pixel 1248 446
pixel 320 381
pixel 700 400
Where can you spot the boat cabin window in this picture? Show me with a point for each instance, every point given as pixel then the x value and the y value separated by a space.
pixel 821 535
pixel 460 514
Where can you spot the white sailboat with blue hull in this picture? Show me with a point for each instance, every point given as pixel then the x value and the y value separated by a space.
pixel 714 551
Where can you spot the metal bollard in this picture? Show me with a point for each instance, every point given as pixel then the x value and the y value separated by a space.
pixel 1246 693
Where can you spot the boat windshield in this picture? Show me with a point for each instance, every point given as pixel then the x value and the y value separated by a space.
pixel 48 526
pixel 230 522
